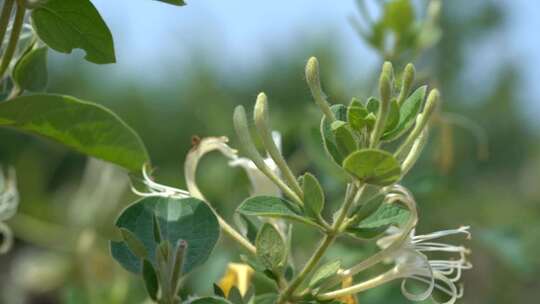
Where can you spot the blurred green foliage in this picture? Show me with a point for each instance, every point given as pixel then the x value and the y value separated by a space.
pixel 497 194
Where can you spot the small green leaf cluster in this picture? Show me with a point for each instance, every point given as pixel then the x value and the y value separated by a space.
pixel 398 31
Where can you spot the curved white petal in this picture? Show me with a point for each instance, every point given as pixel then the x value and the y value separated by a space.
pixel 201 148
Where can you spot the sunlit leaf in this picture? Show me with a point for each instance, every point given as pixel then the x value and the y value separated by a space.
pixel 83 126
pixel 65 25
pixel 372 166
pixel 379 221
pixel 407 114
pixel 30 72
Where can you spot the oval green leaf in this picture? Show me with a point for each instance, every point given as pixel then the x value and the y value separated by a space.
pixel 30 72
pixel 329 139
pixel 373 166
pixel 65 25
pixel 407 114
pixel 187 219
pixel 313 196
pixel 83 126
pixel 271 248
pixel 271 206
pixel 380 220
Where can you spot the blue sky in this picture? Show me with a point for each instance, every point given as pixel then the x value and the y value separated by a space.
pixel 240 33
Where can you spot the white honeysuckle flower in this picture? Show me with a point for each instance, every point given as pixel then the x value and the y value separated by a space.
pixel 9 201
pixel 412 263
pixel 260 183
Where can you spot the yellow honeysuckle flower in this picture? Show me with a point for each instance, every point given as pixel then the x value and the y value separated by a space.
pixel 237 275
pixel 349 299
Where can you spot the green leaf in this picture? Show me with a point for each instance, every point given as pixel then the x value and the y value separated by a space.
pixel 345 141
pixel 372 105
pixel 187 219
pixel 30 72
pixel 218 291
pixel 356 115
pixel 133 243
pixel 399 15
pixel 208 300
pixel 271 248
pixel 65 25
pixel 313 196
pixel 373 166
pixel 268 298
pixel 329 140
pixel 174 2
pixel 234 296
pixel 270 206
pixel 387 214
pixel 150 279
pixel 407 114
pixel 379 221
pixel 83 126
pixel 393 115
pixel 324 272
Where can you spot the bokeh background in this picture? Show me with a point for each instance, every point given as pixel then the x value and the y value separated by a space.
pixel 181 71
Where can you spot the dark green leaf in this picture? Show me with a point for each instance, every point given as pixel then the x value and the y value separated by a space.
pixel 186 219
pixel 324 272
pixel 272 207
pixel 218 291
pixel 174 2
pixel 150 279
pixel 65 25
pixel 313 196
pixel 133 243
pixel 30 72
pixel 234 296
pixel 271 248
pixel 83 126
pixel 373 166
pixel 407 114
pixel 345 141
pixel 329 140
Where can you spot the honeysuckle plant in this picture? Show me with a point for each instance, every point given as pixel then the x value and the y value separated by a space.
pixel 170 231
pixel 375 143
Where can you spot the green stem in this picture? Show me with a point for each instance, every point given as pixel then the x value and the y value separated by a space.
pixel 4 18
pixel 13 40
pixel 329 238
